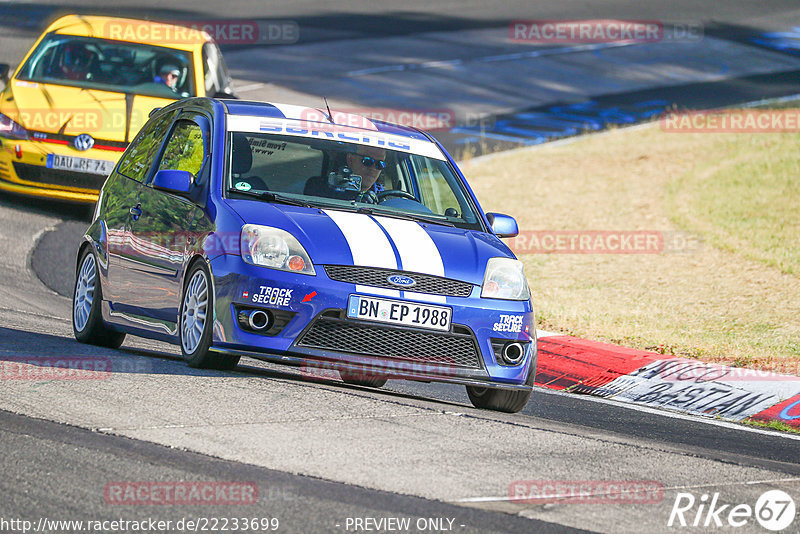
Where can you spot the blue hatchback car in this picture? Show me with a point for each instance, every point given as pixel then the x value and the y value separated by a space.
pixel 309 238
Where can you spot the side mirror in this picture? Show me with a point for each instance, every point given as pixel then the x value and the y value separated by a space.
pixel 503 225
pixel 171 181
pixel 4 69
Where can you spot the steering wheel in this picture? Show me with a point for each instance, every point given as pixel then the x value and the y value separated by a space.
pixel 396 193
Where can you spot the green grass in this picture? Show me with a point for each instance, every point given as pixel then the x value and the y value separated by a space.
pixel 771 425
pixel 747 203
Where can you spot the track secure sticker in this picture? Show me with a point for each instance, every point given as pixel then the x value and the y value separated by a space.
pixel 271 295
pixel 509 323
pixel 242 186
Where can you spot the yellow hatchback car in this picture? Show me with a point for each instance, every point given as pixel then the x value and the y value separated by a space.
pixel 85 88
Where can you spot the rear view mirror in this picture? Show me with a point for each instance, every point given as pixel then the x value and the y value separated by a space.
pixel 503 225
pixel 171 181
pixel 4 69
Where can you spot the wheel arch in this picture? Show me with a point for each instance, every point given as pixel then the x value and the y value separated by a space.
pixel 194 260
pixel 191 263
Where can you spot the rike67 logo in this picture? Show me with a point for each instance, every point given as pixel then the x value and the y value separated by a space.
pixel 774 510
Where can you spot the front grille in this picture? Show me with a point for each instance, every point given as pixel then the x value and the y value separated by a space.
pixel 43 175
pixel 4 174
pixel 375 277
pixel 456 348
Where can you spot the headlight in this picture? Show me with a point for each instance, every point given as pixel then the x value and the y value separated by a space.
pixel 505 279
pixel 11 129
pixel 274 248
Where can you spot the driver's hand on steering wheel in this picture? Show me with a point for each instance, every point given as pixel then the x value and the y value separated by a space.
pixel 368 197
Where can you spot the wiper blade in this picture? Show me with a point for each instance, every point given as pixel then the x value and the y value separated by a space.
pixel 404 215
pixel 272 197
pixel 425 218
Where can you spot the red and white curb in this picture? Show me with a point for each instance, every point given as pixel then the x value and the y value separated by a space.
pixel 651 379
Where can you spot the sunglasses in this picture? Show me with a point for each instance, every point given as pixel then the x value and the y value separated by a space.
pixel 368 161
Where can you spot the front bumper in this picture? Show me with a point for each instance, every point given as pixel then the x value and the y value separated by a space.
pixel 29 174
pixel 315 333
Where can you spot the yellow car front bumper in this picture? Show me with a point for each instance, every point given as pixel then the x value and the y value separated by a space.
pixel 24 170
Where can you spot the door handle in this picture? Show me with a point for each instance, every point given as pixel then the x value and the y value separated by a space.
pixel 136 211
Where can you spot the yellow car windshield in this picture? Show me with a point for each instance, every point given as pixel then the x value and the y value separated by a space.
pixel 110 66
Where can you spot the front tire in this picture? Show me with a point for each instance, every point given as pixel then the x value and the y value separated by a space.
pixel 500 400
pixel 87 296
pixel 196 322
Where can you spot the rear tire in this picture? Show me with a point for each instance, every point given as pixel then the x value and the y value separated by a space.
pixel 87 296
pixel 196 323
pixel 500 400
pixel 363 379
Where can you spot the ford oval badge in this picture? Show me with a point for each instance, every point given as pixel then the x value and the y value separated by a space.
pixel 401 280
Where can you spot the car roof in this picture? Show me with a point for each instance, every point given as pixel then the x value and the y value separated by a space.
pixel 319 115
pixel 130 30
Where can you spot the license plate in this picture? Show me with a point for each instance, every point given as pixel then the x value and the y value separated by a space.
pixel 73 163
pixel 399 312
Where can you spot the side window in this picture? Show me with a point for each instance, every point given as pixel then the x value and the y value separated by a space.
pixel 185 149
pixel 436 192
pixel 140 155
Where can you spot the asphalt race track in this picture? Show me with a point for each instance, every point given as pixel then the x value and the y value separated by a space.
pixel 323 454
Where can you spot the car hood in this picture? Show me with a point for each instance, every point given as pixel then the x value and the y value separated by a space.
pixel 60 109
pixel 333 237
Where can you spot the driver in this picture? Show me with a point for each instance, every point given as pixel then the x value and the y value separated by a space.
pixel 168 75
pixel 356 178
pixel 75 61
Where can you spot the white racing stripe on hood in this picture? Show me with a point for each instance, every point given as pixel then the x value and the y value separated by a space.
pixel 368 244
pixel 418 252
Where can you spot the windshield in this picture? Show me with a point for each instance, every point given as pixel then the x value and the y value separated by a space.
pixel 110 66
pixel 328 173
